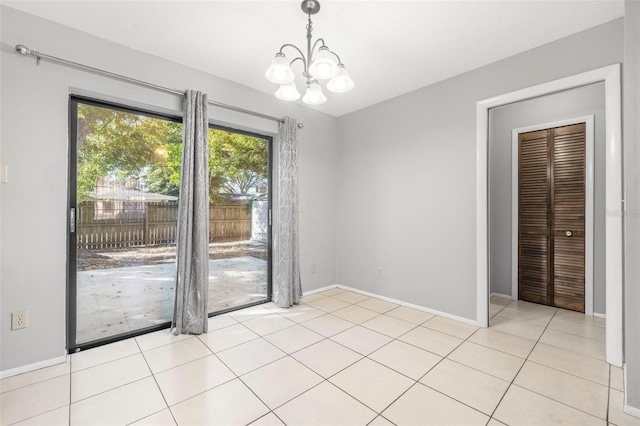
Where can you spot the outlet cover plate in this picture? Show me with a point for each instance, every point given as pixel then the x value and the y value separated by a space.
pixel 19 320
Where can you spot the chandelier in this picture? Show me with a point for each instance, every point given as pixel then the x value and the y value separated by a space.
pixel 320 63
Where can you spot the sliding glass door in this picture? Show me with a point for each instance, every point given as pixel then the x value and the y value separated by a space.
pixel 124 190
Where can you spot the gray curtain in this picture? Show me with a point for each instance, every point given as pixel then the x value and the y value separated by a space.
pixel 286 287
pixel 192 245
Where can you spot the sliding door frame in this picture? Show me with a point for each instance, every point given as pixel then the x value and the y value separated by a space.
pixel 71 287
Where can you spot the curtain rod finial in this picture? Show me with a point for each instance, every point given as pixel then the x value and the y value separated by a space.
pixel 300 125
pixel 22 49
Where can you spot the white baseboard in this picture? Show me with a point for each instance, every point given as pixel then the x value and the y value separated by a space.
pixel 632 411
pixel 409 305
pixel 595 314
pixel 502 296
pixel 319 290
pixel 32 367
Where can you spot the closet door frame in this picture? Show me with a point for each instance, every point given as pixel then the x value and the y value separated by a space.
pixel 589 194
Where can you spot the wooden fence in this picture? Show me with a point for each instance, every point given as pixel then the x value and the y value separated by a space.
pixel 120 224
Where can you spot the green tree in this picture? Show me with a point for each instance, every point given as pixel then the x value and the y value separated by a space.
pixel 129 148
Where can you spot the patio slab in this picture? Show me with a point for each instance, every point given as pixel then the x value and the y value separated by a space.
pixel 117 300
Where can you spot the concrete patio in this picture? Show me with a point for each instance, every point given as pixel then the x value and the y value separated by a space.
pixel 118 300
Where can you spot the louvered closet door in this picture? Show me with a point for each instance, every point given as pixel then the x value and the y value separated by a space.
pixel 533 256
pixel 568 216
pixel 552 216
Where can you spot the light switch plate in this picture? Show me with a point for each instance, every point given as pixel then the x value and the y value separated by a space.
pixel 3 174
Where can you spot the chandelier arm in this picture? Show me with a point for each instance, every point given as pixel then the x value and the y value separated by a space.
pixel 339 60
pixel 304 61
pixel 316 44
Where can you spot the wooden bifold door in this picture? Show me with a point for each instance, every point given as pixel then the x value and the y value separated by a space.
pixel 551 217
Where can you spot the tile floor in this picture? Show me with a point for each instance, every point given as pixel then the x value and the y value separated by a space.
pixel 339 358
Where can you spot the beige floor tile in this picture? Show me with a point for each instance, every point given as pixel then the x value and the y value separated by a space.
pixel 269 419
pixel 431 340
pixel 472 387
pixel 175 354
pixel 251 355
pixel 413 316
pixel 581 318
pixel 280 381
pixel 33 400
pixel 355 314
pixel 531 317
pixel 406 359
pixel 361 340
pixel 617 378
pixel 494 309
pixel 517 328
pixel 273 307
pixel 328 304
pixel 220 321
pixel 328 325
pixel 532 307
pixel 350 297
pixel 183 382
pixel 106 353
pixel 373 384
pixel 301 313
pixel 294 338
pixel 421 405
pixel 617 415
pixel 36 376
pixel 312 297
pixel 57 417
pixel 327 357
pixel 579 329
pixel 122 405
pixel 107 376
pixel 451 327
pixel 227 337
pixel 247 314
pixel 161 418
pixel 499 301
pixel 377 305
pixel 380 421
pixel 570 362
pixel 159 338
pixel 229 404
pixel 325 404
pixel 333 291
pixel 523 407
pixel 490 361
pixel 503 342
pixel 574 343
pixel 389 326
pixel 268 324
pixel 573 391
pixel 494 422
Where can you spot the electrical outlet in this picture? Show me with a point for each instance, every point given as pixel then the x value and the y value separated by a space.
pixel 380 271
pixel 314 269
pixel 19 320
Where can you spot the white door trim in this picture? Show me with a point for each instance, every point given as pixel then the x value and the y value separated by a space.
pixel 613 199
pixel 589 187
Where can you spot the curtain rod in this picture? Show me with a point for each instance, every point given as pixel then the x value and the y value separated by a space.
pixel 24 50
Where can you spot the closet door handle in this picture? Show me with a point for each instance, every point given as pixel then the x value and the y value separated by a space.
pixel 569 233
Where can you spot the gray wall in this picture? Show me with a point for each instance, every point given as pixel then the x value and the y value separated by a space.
pixel 407 175
pixel 568 104
pixel 34 145
pixel 632 195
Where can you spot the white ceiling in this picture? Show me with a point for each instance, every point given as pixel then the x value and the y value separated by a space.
pixel 389 47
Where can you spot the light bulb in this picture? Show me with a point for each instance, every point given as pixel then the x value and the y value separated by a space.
pixel 324 64
pixel 288 92
pixel 323 70
pixel 280 72
pixel 314 95
pixel 341 82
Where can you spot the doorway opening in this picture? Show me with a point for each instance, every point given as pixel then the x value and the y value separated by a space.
pixel 613 198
